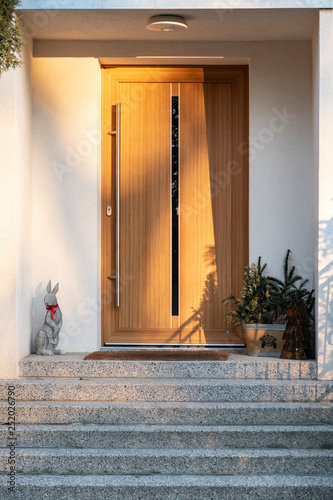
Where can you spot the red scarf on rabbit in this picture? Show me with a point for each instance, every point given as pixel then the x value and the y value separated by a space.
pixel 52 309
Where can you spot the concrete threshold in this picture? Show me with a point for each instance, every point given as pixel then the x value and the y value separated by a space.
pixel 238 366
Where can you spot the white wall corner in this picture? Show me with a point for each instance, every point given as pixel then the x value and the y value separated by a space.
pixel 8 351
pixel 23 200
pixel 324 81
pixel 15 216
pixel 281 163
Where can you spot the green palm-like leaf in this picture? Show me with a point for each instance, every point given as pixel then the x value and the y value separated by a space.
pixel 293 288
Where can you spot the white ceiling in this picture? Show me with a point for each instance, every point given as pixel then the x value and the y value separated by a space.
pixel 213 25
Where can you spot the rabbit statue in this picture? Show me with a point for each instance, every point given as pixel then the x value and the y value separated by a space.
pixel 47 338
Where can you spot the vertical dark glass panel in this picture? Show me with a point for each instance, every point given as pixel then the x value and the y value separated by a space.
pixel 175 203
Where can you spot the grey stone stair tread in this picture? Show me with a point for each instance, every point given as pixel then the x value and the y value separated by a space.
pixel 171 487
pixel 171 436
pixel 237 366
pixel 174 428
pixel 170 412
pixel 124 452
pixel 175 480
pixel 172 461
pixel 174 381
pixel 170 389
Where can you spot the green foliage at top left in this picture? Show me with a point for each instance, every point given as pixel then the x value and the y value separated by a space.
pixel 11 36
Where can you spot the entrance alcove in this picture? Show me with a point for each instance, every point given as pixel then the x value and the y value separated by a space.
pixel 285 67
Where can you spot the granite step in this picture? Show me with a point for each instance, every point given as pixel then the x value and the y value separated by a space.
pixel 170 461
pixel 246 428
pixel 238 366
pixel 159 413
pixel 171 436
pixel 175 389
pixel 170 487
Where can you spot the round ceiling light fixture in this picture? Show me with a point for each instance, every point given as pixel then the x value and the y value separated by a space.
pixel 166 23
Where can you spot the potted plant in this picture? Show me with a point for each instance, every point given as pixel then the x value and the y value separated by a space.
pixel 291 289
pixel 263 305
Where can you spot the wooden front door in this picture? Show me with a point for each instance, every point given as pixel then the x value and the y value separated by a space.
pixel 174 203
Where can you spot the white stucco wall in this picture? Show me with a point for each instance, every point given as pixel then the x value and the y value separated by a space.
pixel 15 216
pixel 23 208
pixel 66 172
pixel 8 322
pixel 323 76
pixel 66 241
pixel 315 107
pixel 281 173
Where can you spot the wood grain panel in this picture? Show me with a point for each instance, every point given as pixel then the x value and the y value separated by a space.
pixel 145 194
pixel 205 203
pixel 107 195
pixel 141 318
pixel 240 181
pixel 176 74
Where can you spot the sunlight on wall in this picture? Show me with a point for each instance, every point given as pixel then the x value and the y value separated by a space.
pixel 66 194
pixel 15 216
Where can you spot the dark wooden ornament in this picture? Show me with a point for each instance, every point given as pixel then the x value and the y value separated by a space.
pixel 298 335
pixel 308 330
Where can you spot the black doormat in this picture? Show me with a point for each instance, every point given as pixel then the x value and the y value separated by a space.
pixel 183 355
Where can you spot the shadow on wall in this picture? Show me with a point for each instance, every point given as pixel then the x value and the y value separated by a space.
pixel 201 319
pixel 325 296
pixel 203 313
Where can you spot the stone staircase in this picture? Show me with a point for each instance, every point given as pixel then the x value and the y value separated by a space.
pixel 246 428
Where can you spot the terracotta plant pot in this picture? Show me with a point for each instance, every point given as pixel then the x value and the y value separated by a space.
pixel 263 340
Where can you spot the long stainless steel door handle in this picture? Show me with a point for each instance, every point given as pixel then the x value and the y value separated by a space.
pixel 118 208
